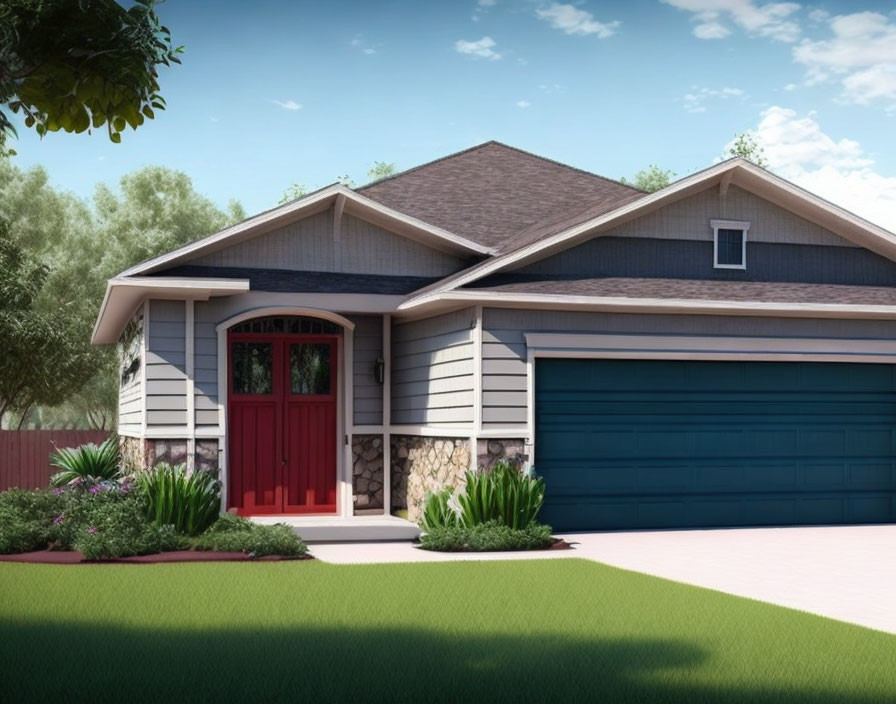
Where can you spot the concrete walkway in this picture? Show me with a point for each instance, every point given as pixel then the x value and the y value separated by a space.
pixel 845 572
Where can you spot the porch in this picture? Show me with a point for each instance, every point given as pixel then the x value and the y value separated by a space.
pixel 327 529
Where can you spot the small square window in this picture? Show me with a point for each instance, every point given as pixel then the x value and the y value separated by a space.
pixel 730 244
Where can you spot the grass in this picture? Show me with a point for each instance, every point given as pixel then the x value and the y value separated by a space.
pixel 527 631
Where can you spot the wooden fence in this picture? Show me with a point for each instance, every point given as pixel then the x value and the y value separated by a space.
pixel 25 454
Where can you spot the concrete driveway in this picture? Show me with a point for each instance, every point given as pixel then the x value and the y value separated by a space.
pixel 844 572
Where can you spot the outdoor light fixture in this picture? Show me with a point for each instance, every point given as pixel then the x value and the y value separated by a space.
pixel 379 370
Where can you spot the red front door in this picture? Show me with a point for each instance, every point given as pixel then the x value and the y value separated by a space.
pixel 282 419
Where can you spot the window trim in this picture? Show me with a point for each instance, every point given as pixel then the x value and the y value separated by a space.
pixel 717 225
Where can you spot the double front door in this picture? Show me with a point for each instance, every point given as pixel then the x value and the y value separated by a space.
pixel 282 423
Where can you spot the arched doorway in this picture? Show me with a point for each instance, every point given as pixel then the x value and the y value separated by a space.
pixel 283 414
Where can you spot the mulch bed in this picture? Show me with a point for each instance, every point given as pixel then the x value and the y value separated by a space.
pixel 560 544
pixel 60 557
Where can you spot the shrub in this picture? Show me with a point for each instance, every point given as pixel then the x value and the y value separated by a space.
pixel 188 501
pixel 89 463
pixel 80 503
pixel 487 537
pixel 119 528
pixel 235 534
pixel 504 494
pixel 27 519
pixel 440 510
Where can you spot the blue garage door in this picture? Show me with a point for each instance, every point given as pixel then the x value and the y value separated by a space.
pixel 670 444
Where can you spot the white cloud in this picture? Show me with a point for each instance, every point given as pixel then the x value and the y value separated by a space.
pixel 695 100
pixel 552 88
pixel 362 45
pixel 711 30
pixel 481 7
pixel 773 19
pixel 523 104
pixel 572 20
pixel 861 53
pixel 288 104
pixel 790 87
pixel 838 170
pixel 482 48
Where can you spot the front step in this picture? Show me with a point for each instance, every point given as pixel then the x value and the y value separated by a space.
pixel 330 529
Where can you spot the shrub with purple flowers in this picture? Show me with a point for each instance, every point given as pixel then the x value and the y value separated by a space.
pixel 28 519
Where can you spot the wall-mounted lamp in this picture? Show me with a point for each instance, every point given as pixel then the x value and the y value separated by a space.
pixel 379 370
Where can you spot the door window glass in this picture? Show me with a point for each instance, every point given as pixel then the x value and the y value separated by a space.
pixel 309 368
pixel 252 367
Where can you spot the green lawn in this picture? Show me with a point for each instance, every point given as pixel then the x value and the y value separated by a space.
pixel 551 630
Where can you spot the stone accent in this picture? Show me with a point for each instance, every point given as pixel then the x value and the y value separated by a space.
pixel 367 472
pixel 132 452
pixel 206 455
pixel 171 451
pixel 490 451
pixel 138 453
pixel 424 464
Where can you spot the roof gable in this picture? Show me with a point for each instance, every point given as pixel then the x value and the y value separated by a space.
pixel 337 199
pixel 557 237
pixel 492 193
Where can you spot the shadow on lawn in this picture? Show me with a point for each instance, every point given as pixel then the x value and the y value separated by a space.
pixel 75 662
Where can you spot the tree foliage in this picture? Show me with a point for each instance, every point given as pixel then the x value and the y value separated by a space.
pixel 77 66
pixel 746 146
pixel 377 172
pixel 380 170
pixel 651 179
pixel 294 192
pixel 79 246
pixel 41 360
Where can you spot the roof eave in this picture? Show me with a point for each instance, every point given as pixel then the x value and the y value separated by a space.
pixel 124 295
pixel 622 304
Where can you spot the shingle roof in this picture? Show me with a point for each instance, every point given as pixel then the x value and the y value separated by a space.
pixel 700 290
pixel 287 281
pixel 492 193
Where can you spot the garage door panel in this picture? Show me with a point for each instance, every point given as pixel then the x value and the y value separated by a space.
pixel 625 443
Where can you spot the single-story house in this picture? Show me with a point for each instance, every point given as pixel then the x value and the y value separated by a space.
pixel 720 352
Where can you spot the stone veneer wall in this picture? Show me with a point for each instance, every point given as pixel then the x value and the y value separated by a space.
pixel 423 464
pixel 206 455
pixel 367 472
pixel 490 451
pixel 137 453
pixel 133 453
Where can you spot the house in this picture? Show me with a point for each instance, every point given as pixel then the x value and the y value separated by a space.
pixel 720 352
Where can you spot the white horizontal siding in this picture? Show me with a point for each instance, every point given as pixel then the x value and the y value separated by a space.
pixel 432 370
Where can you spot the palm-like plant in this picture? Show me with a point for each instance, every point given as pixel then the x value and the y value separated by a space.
pixel 189 501
pixel 87 463
pixel 504 494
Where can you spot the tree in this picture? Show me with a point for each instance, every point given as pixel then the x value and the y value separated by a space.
pixel 294 192
pixel 155 210
pixel 77 66
pixel 651 179
pixel 380 170
pixel 746 146
pixel 42 359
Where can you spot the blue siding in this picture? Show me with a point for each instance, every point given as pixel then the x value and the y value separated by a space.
pixel 652 444
pixel 693 259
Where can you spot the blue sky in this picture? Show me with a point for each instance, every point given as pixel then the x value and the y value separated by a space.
pixel 272 93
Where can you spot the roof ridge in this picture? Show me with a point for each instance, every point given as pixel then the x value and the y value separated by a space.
pixel 425 164
pixel 494 142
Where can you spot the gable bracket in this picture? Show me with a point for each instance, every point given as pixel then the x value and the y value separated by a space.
pixel 337 231
pixel 725 182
